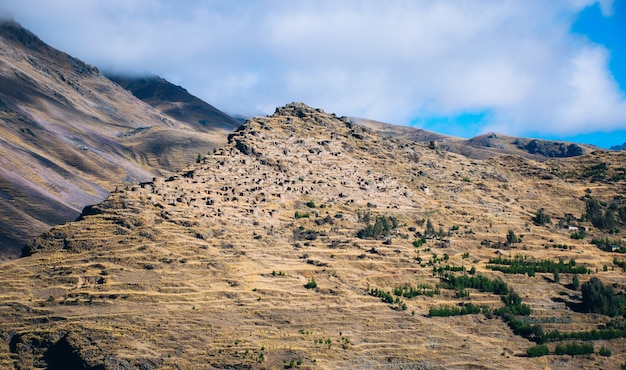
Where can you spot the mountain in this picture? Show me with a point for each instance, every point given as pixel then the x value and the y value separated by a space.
pixel 69 136
pixel 310 241
pixel 486 145
pixel 619 147
pixel 176 102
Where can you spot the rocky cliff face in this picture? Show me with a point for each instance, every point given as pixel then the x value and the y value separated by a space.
pixel 287 247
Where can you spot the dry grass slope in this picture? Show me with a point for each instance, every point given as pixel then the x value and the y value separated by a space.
pixel 207 268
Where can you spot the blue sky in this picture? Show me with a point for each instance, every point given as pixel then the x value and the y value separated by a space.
pixel 548 69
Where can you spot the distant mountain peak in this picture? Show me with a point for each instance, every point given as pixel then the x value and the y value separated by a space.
pixel 12 30
pixel 175 101
pixel 22 38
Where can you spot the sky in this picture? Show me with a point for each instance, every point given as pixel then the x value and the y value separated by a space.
pixel 553 69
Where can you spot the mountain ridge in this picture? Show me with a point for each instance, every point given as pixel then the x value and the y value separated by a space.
pixel 69 136
pixel 175 101
pixel 486 145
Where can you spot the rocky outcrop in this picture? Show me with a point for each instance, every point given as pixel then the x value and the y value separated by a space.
pixel 551 149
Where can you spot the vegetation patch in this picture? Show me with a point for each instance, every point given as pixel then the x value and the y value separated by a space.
pixel 381 228
pixel 522 264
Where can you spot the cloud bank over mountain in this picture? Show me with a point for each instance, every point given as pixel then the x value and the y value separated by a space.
pixel 515 65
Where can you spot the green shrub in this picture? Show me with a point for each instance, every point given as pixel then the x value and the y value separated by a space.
pixel 538 350
pixel 299 215
pixel 311 284
pixel 574 349
pixel 605 352
pixel 419 242
pixel 446 311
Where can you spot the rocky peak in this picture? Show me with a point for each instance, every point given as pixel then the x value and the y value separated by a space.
pixel 550 148
pixel 297 130
pixel 12 30
pixel 296 109
pixel 22 38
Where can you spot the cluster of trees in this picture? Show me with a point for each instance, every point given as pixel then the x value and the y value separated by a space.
pixel 513 312
pixel 604 216
pixel 440 270
pixel 464 309
pixel 512 301
pixel 607 245
pixel 386 297
pixel 523 328
pixel 381 228
pixel 600 171
pixel 578 235
pixel 513 305
pixel 604 334
pixel 596 172
pixel 538 350
pixel 409 292
pixel 541 218
pixel 572 349
pixel 523 265
pixel 478 282
pixel 600 298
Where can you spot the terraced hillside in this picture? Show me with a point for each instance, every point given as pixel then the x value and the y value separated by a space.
pixel 311 242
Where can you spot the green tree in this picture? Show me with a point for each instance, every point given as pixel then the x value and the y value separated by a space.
pixel 430 229
pixel 605 352
pixel 599 298
pixel 557 277
pixel 512 238
pixel 541 218
pixel 575 282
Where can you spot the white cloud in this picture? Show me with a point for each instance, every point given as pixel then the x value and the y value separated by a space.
pixel 384 60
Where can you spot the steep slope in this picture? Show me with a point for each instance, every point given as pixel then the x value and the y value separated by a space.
pixel 275 251
pixel 68 136
pixel 484 146
pixel 176 102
